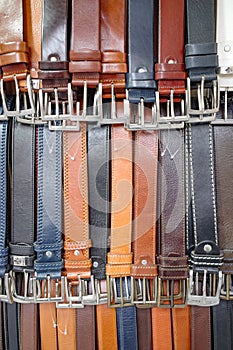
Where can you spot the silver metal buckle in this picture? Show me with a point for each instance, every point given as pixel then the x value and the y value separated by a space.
pixel 118 290
pixel 114 118
pixel 73 295
pixel 27 98
pixel 144 292
pixel 227 287
pixel 210 288
pixel 203 113
pixel 92 292
pixel 6 288
pixel 48 290
pixel 172 293
pixel 225 120
pixel 30 290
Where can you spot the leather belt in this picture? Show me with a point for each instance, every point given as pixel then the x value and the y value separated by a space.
pixel 113 47
pixel 140 77
pixel 170 69
pixel 201 60
pixel 144 268
pixel 85 55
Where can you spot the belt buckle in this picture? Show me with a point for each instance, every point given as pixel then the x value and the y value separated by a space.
pixel 27 100
pixel 171 120
pixel 140 111
pixel 205 297
pixel 227 287
pixel 73 294
pixel 46 292
pixel 6 288
pixel 225 120
pixel 113 113
pixel 92 292
pixel 118 291
pixel 144 292
pixel 31 291
pixel 168 296
pixel 203 114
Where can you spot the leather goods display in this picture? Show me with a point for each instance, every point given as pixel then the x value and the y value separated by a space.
pixel 115 175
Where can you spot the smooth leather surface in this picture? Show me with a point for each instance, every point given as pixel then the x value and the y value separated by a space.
pixel 29 332
pixel 66 329
pixel 106 328
pixel 120 256
pixel 144 329
pixel 98 159
pixel 48 326
pixel 126 328
pixel 222 318
pixel 161 329
pixel 85 39
pixel 140 77
pixel 200 26
pixel 113 21
pixel 76 232
pixel 170 70
pixel 86 328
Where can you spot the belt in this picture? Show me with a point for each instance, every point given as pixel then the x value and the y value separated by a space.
pixel 201 60
pixel 85 55
pixel 140 81
pixel 170 69
pixel 113 47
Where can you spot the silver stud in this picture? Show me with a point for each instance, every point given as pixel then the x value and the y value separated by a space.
pixel 227 48
pixel 207 248
pixel 144 262
pixel 49 254
pixel 95 264
pixel 76 252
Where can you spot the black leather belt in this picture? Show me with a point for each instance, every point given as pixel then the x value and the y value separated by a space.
pixel 140 78
pixel 201 58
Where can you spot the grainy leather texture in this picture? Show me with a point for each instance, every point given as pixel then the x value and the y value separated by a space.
pixel 161 329
pixel 126 328
pixel 85 52
pixel 120 256
pixel 140 77
pixel 85 328
pixel 144 329
pixel 200 328
pixel 29 327
pixel 181 328
pixel 171 260
pixel 145 194
pixel 200 24
pixel 113 46
pixel 222 318
pixel 98 158
pixel 170 70
pixel 106 330
pixel 76 233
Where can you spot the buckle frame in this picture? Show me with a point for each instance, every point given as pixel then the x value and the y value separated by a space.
pixel 144 292
pixel 93 295
pixel 167 295
pixel 195 298
pixel 225 120
pixel 44 294
pixel 119 298
pixel 72 301
pixel 203 114
pixel 227 294
pixel 6 288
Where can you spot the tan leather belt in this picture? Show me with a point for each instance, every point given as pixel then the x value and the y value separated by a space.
pixel 119 258
pixel 113 47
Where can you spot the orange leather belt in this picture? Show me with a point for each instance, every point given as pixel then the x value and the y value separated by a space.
pixel 113 47
pixel 85 55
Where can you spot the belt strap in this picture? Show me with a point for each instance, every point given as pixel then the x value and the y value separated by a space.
pixel 107 327
pixel 85 55
pixel 140 77
pixel 85 328
pixel 201 60
pixel 144 269
pixel 113 46
pixel 200 328
pixel 144 329
pixel 222 325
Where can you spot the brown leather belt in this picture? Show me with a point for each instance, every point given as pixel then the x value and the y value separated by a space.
pixel 85 55
pixel 113 47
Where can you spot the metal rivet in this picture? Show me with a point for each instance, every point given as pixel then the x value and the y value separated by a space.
pixel 144 262
pixel 53 59
pixel 76 252
pixel 141 70
pixel 48 254
pixel 171 61
pixel 207 248
pixel 95 264
pixel 227 48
